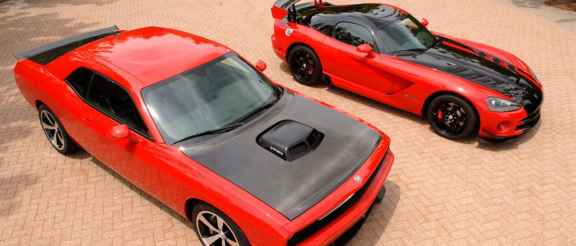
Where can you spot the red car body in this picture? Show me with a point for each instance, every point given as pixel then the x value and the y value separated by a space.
pixel 140 58
pixel 405 85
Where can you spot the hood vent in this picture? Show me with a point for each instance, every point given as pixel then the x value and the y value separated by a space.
pixel 290 140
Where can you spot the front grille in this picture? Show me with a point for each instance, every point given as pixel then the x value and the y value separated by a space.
pixel 315 227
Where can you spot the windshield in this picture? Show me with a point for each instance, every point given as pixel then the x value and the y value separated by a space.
pixel 405 34
pixel 208 97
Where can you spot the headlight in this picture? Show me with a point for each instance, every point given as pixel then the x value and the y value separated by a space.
pixel 501 105
pixel 533 75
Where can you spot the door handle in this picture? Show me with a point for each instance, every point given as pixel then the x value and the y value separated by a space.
pixel 87 119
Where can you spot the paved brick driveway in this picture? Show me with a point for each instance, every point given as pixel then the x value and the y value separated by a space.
pixel 440 192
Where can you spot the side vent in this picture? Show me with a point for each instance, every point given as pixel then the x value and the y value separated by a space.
pixel 290 140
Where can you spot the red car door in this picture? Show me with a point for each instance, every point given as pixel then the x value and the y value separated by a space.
pixel 358 70
pixel 108 104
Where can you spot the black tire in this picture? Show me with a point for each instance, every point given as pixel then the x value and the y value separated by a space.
pixel 305 65
pixel 452 117
pixel 55 132
pixel 229 230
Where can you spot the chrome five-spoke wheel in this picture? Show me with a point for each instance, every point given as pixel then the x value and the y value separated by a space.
pixel 55 131
pixel 213 230
pixel 52 130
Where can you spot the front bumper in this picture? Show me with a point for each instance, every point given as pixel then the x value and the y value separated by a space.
pixel 509 128
pixel 343 221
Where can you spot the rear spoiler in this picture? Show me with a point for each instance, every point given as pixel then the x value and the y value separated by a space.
pixel 67 45
pixel 282 8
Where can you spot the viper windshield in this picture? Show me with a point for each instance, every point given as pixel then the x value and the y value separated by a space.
pixel 405 34
pixel 212 96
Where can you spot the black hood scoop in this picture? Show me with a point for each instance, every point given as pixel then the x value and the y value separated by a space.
pixel 445 57
pixel 290 140
pixel 292 156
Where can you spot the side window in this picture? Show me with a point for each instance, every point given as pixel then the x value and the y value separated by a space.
pixel 353 34
pixel 111 98
pixel 79 81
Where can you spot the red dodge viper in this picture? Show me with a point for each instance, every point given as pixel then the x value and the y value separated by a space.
pixel 384 53
pixel 193 124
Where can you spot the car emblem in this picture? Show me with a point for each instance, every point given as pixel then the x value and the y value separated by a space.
pixel 289 31
pixel 358 179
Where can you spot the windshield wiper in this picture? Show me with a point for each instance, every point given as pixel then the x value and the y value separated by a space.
pixel 256 110
pixel 214 131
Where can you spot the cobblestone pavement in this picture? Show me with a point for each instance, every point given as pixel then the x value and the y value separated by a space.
pixel 439 191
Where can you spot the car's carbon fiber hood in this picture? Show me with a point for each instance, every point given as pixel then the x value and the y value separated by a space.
pixel 458 62
pixel 289 187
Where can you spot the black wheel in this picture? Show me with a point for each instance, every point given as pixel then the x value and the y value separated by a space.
pixel 215 228
pixel 452 117
pixel 55 132
pixel 305 65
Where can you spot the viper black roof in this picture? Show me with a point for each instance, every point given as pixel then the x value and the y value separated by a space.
pixel 367 15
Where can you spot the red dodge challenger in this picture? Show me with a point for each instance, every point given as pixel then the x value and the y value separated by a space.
pixel 190 122
pixel 384 53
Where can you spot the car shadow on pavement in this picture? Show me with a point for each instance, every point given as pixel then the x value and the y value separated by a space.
pixel 510 144
pixel 378 219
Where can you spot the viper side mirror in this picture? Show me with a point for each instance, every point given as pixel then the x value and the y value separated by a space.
pixel 120 132
pixel 364 48
pixel 424 22
pixel 261 66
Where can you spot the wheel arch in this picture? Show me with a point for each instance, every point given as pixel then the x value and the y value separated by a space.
pixel 189 206
pixel 441 93
pixel 38 103
pixel 295 44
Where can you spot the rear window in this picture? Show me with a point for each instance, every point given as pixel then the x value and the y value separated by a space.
pixel 53 54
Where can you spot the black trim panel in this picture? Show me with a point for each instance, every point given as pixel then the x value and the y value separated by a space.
pixel 66 41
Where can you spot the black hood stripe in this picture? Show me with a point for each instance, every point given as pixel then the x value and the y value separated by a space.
pixel 475 66
pixel 291 188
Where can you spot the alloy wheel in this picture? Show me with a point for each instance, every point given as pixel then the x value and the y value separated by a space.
pixel 52 130
pixel 450 117
pixel 213 230
pixel 302 66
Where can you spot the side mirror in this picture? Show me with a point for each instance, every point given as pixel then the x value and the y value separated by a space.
pixel 424 22
pixel 364 48
pixel 261 66
pixel 120 132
